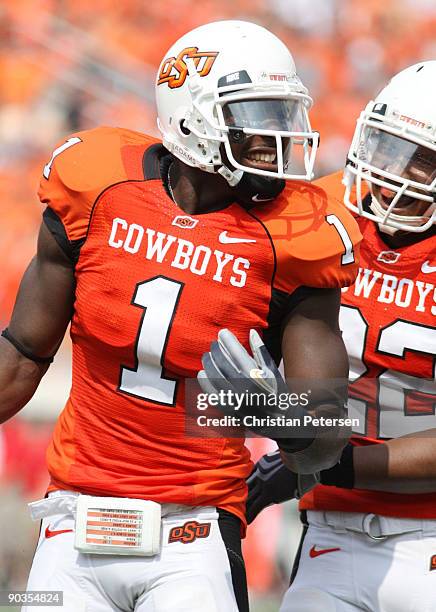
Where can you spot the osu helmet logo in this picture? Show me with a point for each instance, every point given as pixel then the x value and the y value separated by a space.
pixel 174 69
pixel 189 532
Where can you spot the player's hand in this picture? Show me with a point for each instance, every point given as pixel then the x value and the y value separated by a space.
pixel 271 482
pixel 256 381
pixel 229 366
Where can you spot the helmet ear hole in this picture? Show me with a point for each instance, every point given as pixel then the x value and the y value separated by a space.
pixel 185 131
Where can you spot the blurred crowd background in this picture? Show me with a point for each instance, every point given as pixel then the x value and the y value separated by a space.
pixel 68 65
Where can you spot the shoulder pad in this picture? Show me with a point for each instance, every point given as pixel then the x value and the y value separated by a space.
pixel 332 184
pixel 83 166
pixel 316 239
pixel 334 187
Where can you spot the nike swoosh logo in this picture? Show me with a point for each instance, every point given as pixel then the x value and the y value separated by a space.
pixel 427 268
pixel 256 198
pixel 225 239
pixel 322 551
pixel 51 534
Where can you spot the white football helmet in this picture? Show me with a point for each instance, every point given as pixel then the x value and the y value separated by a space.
pixel 228 79
pixel 394 149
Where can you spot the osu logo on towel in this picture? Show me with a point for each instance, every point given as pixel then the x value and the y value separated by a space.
pixel 174 69
pixel 189 532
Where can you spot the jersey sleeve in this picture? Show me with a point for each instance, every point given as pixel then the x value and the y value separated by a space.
pixel 82 167
pixel 315 239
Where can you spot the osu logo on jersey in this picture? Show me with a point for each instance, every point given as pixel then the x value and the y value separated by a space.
pixel 390 257
pixel 174 69
pixel 184 221
pixel 189 532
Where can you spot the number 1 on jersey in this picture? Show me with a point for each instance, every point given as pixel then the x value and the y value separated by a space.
pixel 69 143
pixel 158 297
pixel 348 256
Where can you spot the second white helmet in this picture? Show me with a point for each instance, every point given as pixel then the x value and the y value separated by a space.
pixel 225 81
pixel 394 151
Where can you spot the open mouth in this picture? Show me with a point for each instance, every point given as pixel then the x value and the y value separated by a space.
pixel 264 159
pixel 403 205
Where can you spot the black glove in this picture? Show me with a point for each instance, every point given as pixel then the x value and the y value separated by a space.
pixel 271 482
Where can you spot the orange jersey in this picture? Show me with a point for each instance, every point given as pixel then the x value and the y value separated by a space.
pixel 387 320
pixel 153 288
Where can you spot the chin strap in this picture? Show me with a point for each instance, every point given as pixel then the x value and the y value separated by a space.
pixel 233 177
pixel 254 189
pixel 378 210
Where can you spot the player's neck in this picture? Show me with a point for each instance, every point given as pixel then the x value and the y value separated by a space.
pixel 403 239
pixel 197 192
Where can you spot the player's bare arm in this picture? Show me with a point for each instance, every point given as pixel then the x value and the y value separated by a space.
pixel 41 314
pixel 401 465
pixel 312 344
pixel 314 355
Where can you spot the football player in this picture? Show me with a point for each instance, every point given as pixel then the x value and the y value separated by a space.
pixel 149 248
pixel 369 541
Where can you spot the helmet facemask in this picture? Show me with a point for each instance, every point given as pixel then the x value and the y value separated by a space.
pixel 228 117
pixel 267 132
pixel 398 165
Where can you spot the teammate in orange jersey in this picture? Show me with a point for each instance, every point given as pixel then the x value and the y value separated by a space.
pixel 149 249
pixel 370 537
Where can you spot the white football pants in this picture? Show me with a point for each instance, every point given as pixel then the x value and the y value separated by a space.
pixel 351 562
pixel 205 575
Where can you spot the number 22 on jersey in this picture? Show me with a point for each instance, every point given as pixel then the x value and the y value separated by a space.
pixel 405 403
